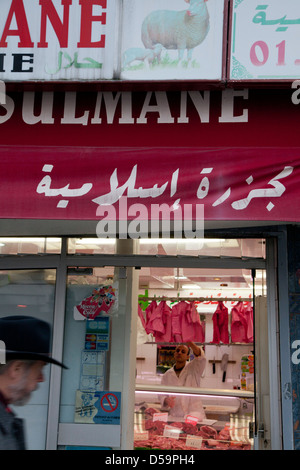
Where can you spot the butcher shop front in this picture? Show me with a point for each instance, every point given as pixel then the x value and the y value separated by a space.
pixel 132 255
pixel 126 315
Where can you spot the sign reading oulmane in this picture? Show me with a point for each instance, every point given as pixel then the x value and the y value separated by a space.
pixel 121 108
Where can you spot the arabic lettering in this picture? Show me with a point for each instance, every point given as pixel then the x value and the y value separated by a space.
pixel 222 198
pixel 64 57
pixel 44 188
pixel 116 191
pixel 260 18
pixel 174 182
pixel 277 191
pixel 204 184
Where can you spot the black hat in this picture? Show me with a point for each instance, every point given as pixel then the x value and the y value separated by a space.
pixel 26 338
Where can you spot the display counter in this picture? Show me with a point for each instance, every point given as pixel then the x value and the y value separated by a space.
pixel 225 426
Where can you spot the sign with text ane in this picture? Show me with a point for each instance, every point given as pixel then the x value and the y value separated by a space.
pixel 109 39
pixel 57 39
pixel 265 40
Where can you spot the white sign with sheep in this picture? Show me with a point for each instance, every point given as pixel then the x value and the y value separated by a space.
pixel 172 39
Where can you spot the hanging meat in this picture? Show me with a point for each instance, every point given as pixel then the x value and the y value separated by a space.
pixel 220 325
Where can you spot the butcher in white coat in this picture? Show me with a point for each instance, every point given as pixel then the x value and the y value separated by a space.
pixel 185 374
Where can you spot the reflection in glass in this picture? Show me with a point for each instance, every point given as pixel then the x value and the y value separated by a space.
pixel 90 246
pixel 31 293
pixel 253 248
pixel 28 246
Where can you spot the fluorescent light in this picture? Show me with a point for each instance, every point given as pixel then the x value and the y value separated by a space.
pixel 22 240
pixel 96 241
pixel 28 240
pixel 180 240
pixel 157 241
pixel 191 286
pixel 190 394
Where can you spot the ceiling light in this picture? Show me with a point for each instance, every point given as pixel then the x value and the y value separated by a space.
pixel 96 241
pixel 180 240
pixel 22 240
pixel 28 240
pixel 191 286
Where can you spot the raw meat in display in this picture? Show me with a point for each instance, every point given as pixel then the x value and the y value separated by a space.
pixel 189 428
pixel 220 324
pixel 179 324
pixel 151 411
pixel 224 435
pixel 211 439
pixel 238 324
pixel 207 432
pixel 191 327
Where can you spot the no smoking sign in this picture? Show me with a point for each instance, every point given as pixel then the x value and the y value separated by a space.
pixel 109 408
pixel 109 402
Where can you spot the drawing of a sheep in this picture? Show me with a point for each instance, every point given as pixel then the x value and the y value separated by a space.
pixel 177 29
pixel 144 55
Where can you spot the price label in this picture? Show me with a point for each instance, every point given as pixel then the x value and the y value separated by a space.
pixel 141 436
pixel 191 419
pixel 172 432
pixel 160 417
pixel 194 441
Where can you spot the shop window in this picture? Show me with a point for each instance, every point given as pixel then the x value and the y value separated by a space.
pixel 29 246
pixel 31 292
pixel 93 350
pixel 91 246
pixel 238 248
pixel 217 412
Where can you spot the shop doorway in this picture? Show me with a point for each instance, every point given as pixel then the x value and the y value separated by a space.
pixel 231 325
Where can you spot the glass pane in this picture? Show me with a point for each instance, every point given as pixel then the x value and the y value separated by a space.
pixel 205 307
pixel 90 246
pixel 93 343
pixel 29 246
pixel 253 248
pixel 31 292
pixel 226 426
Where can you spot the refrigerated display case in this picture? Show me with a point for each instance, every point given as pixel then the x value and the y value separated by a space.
pixel 227 425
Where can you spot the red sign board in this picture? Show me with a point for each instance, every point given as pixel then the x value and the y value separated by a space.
pixel 79 183
pixel 69 155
